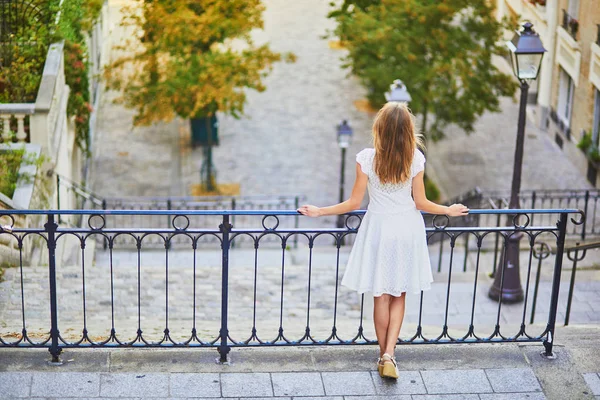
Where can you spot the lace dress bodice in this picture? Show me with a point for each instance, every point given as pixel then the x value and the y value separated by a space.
pixel 389 197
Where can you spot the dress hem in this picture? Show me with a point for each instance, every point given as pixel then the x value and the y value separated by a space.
pixel 395 293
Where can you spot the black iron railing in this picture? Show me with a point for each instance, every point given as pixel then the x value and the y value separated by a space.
pixel 79 197
pixel 265 294
pixel 577 254
pixel 570 24
pixel 586 200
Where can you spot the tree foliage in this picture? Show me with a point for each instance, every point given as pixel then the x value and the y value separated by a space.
pixel 441 49
pixel 31 29
pixel 191 58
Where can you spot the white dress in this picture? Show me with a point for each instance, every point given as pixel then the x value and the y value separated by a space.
pixel 390 251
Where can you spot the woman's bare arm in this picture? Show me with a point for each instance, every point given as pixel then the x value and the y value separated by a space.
pixel 423 204
pixel 353 203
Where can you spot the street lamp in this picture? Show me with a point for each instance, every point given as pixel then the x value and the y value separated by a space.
pixel 526 57
pixel 344 138
pixel 398 92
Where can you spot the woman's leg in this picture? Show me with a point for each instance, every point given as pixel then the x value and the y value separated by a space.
pixel 381 317
pixel 396 316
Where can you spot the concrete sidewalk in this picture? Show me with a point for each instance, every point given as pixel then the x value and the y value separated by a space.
pixel 483 372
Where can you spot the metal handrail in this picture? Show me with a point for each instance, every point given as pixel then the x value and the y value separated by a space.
pixel 508 211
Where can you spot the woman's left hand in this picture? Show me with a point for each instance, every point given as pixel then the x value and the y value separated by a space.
pixel 309 210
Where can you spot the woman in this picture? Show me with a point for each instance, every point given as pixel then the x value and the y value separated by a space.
pixel 390 255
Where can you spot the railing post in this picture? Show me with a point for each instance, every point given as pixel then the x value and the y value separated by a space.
pixel 233 207
pixel 169 217
pixel 296 220
pixel 58 193
pixel 533 199
pixel 560 247
pixel 105 242
pixel 54 349
pixel 224 348
pixel 585 213
pixel 496 244
pixel 572 284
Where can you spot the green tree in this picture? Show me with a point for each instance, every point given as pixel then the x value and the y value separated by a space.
pixel 192 58
pixel 441 49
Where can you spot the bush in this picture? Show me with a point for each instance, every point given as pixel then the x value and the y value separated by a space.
pixel 594 154
pixel 585 143
pixel 10 162
pixel 431 190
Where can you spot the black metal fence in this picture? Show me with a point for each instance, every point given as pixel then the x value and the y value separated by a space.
pixel 586 200
pixel 263 295
pixel 72 195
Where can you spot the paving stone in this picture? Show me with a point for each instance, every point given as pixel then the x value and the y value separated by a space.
pixel 134 385
pixel 513 380
pixel 15 384
pixel 348 383
pixel 513 396
pixel 297 384
pixel 456 381
pixel 323 398
pixel 269 398
pixel 408 382
pixel 91 398
pixel 65 384
pixel 195 385
pixel 390 397
pixel 446 397
pixel 246 384
pixel 593 381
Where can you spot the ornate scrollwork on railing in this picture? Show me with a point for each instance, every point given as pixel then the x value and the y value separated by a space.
pixel 575 254
pixel 96 222
pixel 265 222
pixel 7 223
pixel 182 225
pixel 440 226
pixel 541 251
pixel 581 219
pixel 349 225
pixel 517 217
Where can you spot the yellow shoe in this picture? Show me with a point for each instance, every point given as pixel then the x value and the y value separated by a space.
pixel 380 366
pixel 389 368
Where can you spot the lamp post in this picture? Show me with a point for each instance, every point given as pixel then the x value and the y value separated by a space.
pixel 526 57
pixel 344 138
pixel 398 92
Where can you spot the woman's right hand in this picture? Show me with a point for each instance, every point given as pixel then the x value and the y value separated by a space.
pixel 309 210
pixel 457 210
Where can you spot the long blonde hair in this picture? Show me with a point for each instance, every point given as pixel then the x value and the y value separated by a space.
pixel 395 141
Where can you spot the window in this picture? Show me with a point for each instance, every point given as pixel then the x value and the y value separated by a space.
pixel 596 126
pixel 565 98
pixel 573 8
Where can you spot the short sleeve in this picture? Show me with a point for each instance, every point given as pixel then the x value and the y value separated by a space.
pixel 363 158
pixel 418 163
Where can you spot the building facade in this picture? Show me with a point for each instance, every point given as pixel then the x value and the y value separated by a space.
pixel 567 92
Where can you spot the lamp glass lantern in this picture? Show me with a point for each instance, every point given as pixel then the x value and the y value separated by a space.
pixel 398 92
pixel 526 53
pixel 344 134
